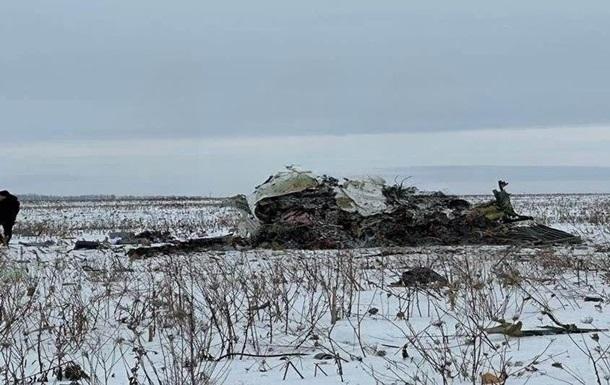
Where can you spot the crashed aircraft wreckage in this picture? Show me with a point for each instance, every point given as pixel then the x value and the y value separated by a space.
pixel 299 210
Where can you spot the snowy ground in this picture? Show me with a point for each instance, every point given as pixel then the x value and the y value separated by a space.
pixel 261 316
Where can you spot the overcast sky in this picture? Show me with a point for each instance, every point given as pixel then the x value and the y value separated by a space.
pixel 109 88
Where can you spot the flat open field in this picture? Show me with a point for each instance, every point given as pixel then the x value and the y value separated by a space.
pixel 297 317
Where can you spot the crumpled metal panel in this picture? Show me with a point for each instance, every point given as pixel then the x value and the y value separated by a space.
pixel 362 196
pixel 283 183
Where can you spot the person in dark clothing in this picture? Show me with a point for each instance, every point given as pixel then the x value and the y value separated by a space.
pixel 9 208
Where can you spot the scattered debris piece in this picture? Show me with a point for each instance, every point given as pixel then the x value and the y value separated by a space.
pixel 516 330
pixel 224 243
pixel 421 276
pixel 121 234
pixel 492 379
pixel 535 234
pixel 87 245
pixel 47 243
pixel 593 299
pixel 404 352
pixel 155 236
pixel 122 237
pixel 70 372
pixel 323 356
pixel 507 328
pixel 239 202
pixel 146 237
pixel 73 372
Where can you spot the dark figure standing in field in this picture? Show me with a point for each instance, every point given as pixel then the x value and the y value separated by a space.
pixel 9 208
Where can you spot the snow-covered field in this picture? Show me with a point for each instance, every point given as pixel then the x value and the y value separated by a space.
pixel 264 317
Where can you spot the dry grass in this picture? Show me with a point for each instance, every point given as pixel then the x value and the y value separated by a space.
pixel 182 319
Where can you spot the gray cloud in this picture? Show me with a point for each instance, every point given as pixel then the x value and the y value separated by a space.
pixel 114 69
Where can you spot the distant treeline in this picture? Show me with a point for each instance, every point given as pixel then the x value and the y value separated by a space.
pixel 169 198
pixel 98 198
